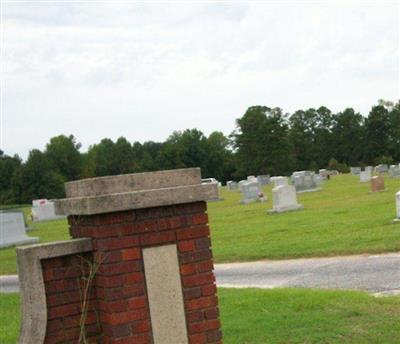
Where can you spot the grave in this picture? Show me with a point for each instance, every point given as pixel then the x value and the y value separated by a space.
pixel 12 230
pixel 148 238
pixel 304 181
pixel 377 184
pixel 240 184
pixel 280 181
pixel 355 171
pixel 365 176
pixel 284 199
pixel 382 168
pixel 251 193
pixel 397 219
pixel 394 171
pixel 263 179
pixel 232 185
pixel 251 179
pixel 44 210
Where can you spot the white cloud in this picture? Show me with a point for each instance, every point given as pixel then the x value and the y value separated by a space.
pixel 143 70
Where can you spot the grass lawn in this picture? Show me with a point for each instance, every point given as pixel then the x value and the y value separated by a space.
pixel 343 218
pixel 255 316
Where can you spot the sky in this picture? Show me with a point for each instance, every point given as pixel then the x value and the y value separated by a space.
pixel 142 70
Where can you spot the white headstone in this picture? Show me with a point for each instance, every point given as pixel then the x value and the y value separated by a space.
pixel 251 193
pixel 251 179
pixel 365 176
pixel 394 171
pixel 12 230
pixel 304 181
pixel 43 209
pixel 355 170
pixel 284 199
pixel 278 181
pixel 240 184
pixel 231 185
pixel 263 179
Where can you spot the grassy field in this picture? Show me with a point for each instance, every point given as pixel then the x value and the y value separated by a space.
pixel 285 316
pixel 342 218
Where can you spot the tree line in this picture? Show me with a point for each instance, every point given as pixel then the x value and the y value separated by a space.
pixel 265 141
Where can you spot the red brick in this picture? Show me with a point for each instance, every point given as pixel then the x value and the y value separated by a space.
pixel 177 222
pixel 112 306
pixel 119 268
pixel 199 338
pixel 192 232
pixel 214 336
pixel 109 244
pixel 110 281
pixel 205 266
pixel 211 313
pixel 142 338
pixel 105 231
pixel 207 290
pixel 157 238
pixel 203 243
pixel 63 311
pixel 138 302
pixel 188 269
pixel 54 325
pixel 190 257
pixel 195 316
pixel 52 263
pixel 192 293
pixel 203 302
pixel 121 292
pixel 48 275
pixel 116 331
pixel 123 317
pixel 199 219
pixel 204 326
pixel 199 279
pixel 131 254
pixel 141 326
pixel 134 277
pixel 186 246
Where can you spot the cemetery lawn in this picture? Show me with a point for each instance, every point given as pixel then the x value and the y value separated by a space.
pixel 343 218
pixel 256 316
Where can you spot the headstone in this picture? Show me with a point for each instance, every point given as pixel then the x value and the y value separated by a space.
pixel 382 168
pixel 251 179
pixel 397 207
pixel 263 179
pixel 240 184
pixel 318 179
pixel 369 168
pixel 324 173
pixel 377 184
pixel 12 230
pixel 251 193
pixel 355 170
pixel 365 176
pixel 284 199
pixel 278 181
pixel 231 185
pixel 304 181
pixel 394 171
pixel 43 210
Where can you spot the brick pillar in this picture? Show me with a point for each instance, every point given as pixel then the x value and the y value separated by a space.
pixel 126 216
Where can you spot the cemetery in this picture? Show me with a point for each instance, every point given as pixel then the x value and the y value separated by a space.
pixel 260 236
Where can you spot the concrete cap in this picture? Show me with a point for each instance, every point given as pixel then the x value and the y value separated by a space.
pixel 134 191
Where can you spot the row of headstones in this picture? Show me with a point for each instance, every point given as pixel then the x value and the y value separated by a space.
pixel 393 170
pixel 13 227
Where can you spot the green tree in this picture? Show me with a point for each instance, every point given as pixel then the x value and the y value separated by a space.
pixel 64 156
pixel 261 142
pixel 36 179
pixel 377 127
pixel 348 137
pixel 8 167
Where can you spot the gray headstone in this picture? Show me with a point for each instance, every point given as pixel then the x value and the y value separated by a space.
pixel 263 179
pixel 12 230
pixel 232 185
pixel 304 181
pixel 284 199
pixel 355 170
pixel 43 210
pixel 365 176
pixel 251 193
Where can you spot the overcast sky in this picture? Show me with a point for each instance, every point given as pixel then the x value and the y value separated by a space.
pixel 142 70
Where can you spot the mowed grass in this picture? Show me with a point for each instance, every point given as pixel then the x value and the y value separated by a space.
pixel 343 218
pixel 255 316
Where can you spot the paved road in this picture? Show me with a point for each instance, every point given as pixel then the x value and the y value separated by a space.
pixel 374 273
